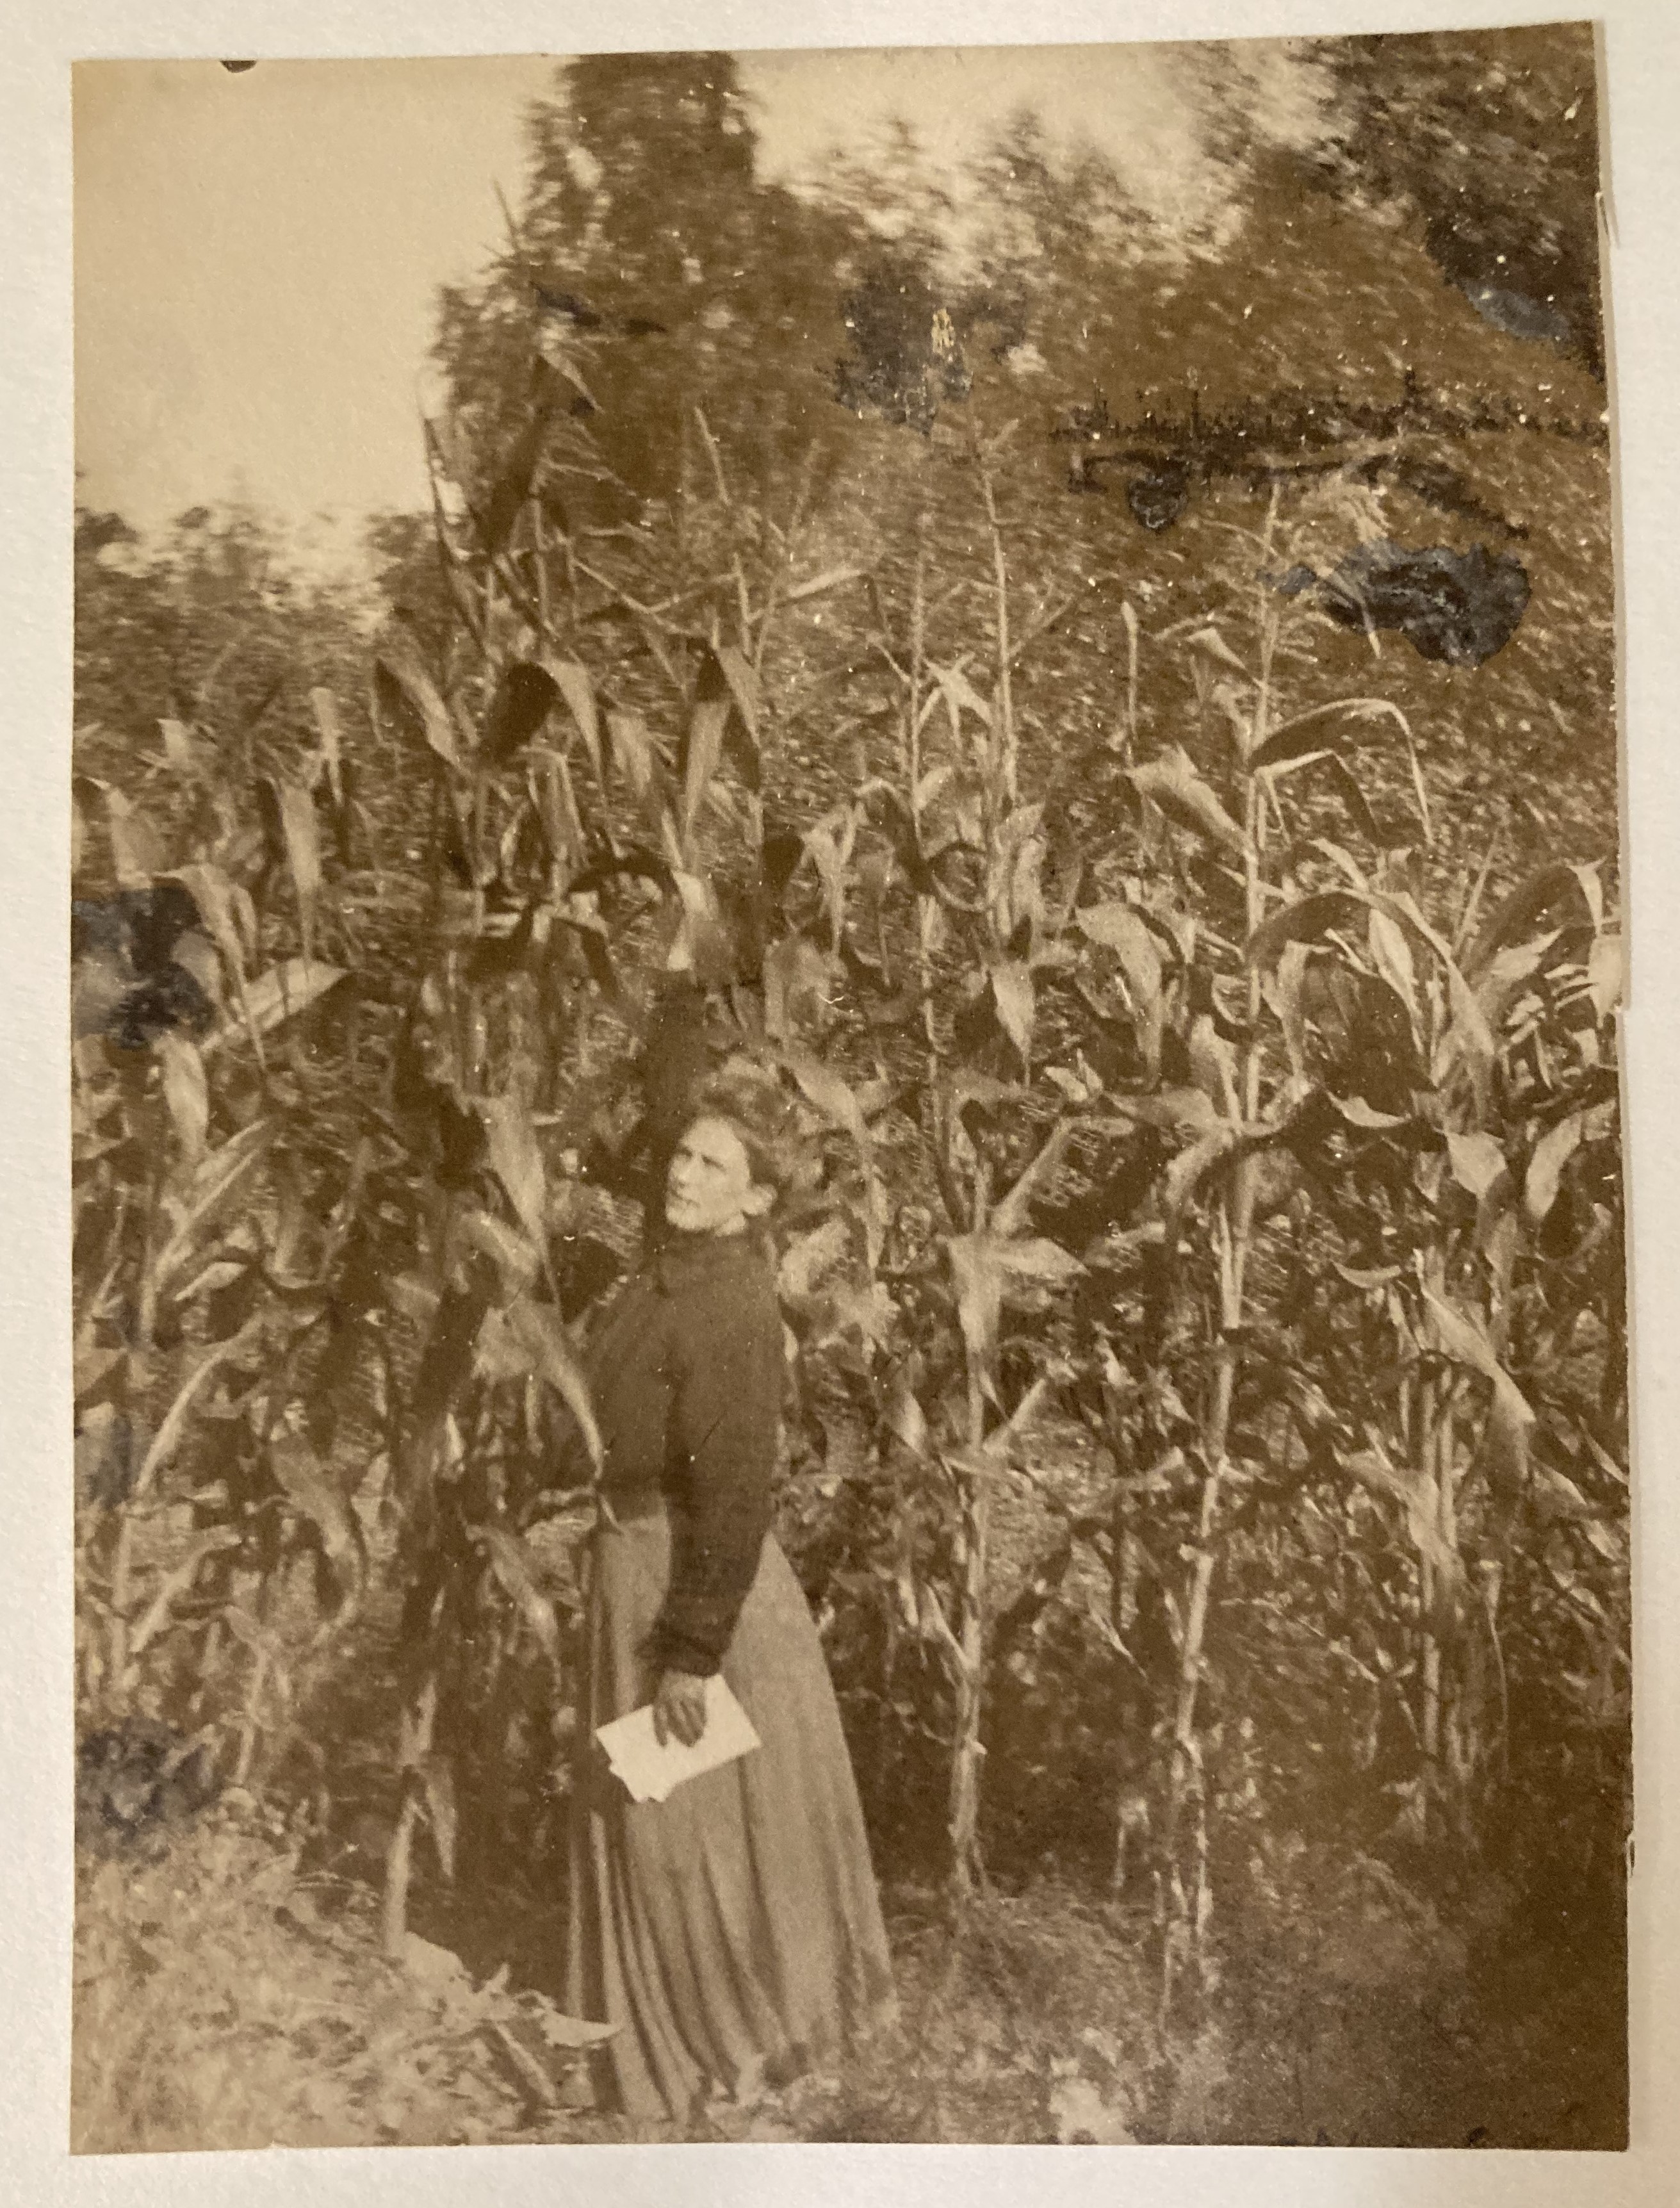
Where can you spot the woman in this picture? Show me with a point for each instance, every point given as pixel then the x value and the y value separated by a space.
pixel 733 1932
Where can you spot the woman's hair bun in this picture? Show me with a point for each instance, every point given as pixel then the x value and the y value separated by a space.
pixel 756 1105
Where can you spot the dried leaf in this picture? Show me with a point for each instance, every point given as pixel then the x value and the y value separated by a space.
pixel 903 1414
pixel 1536 894
pixel 1212 645
pixel 572 679
pixel 831 1094
pixel 1038 1259
pixel 437 1780
pixel 830 580
pixel 1172 783
pixel 516 1160
pixel 186 1093
pixel 398 661
pixel 1287 990
pixel 433 1967
pixel 702 944
pixel 634 758
pixel 562 2031
pixel 1014 1001
pixel 829 853
pixel 539 1329
pixel 1464 1339
pixel 167 1439
pixel 1476 1161
pixel 325 707
pixel 1122 930
pixel 1607 973
pixel 177 1583
pixel 977 1274
pixel 280 995
pixel 1191 1167
pixel 1551 1153
pixel 302 835
pixel 1307 920
pixel 1416 1491
pixel 511 487
pixel 309 1488
pixel 136 854
pixel 219 1178
pixel 1359 1113
pixel 508 1250
pixel 515 1568
pixel 960 697
pixel 1176 1111
pixel 1009 1215
pixel 178 746
pixel 796 982
pixel 809 1256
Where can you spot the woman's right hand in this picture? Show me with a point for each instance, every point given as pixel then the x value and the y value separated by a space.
pixel 679 1708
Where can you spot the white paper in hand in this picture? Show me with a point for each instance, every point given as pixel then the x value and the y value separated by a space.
pixel 649 1770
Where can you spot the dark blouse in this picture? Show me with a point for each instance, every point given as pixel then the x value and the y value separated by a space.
pixel 686 1373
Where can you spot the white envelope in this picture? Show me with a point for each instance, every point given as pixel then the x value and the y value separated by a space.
pixel 649 1770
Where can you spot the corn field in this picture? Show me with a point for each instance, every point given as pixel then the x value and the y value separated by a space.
pixel 1205 1297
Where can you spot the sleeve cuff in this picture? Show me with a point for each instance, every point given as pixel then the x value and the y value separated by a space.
pixel 673 1651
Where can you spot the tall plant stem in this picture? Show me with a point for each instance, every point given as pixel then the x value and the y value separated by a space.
pixel 1004 742
pixel 973 1501
pixel 1233 1226
pixel 415 1744
pixel 913 778
pixel 1429 1663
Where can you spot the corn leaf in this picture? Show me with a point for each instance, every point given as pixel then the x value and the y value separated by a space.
pixel 397 663
pixel 538 1329
pixel 516 1160
pixel 515 1569
pixel 572 679
pixel 1172 783
pixel 186 1093
pixel 302 835
pixel 1551 1153
pixel 280 995
pixel 325 708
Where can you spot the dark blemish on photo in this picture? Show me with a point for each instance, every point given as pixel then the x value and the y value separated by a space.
pixel 903 356
pixel 1159 495
pixel 1459 607
pixel 137 1784
pixel 1517 314
pixel 110 1449
pixel 128 983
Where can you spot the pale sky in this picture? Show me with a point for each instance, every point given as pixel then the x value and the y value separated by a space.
pixel 258 254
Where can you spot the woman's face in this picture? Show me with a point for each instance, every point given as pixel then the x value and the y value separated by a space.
pixel 709 1188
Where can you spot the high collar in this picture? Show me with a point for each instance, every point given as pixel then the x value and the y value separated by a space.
pixel 684 1259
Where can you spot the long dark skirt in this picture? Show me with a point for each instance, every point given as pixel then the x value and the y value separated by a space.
pixel 733 1932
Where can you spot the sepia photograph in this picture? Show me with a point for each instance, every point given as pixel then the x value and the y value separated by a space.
pixel 850 1311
